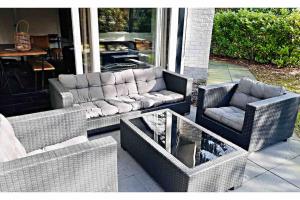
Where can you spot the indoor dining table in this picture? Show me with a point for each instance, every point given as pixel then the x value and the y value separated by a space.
pixel 7 52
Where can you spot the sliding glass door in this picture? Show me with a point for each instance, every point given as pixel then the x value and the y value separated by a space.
pixel 127 37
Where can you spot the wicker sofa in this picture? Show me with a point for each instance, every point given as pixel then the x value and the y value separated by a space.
pixel 89 166
pixel 251 114
pixel 109 96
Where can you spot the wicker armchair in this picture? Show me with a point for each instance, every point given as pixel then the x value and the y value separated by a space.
pixel 88 166
pixel 265 122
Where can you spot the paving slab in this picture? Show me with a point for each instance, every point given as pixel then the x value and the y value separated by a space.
pixel 289 171
pixel 125 168
pixel 131 184
pixel 148 182
pixel 217 67
pixel 238 74
pixel 267 182
pixel 218 73
pixel 216 62
pixel 277 154
pixel 237 67
pixel 252 170
pixel 221 72
pixel 216 81
pixel 192 115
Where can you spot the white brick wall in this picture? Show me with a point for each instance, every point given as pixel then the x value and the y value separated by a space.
pixel 198 37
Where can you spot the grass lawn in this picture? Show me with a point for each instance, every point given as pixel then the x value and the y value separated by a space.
pixel 286 77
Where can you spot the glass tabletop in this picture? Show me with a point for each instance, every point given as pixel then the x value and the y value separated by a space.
pixel 188 143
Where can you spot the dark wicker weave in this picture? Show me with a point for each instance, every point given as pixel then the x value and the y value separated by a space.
pixel 60 98
pixel 221 174
pixel 85 167
pixel 266 122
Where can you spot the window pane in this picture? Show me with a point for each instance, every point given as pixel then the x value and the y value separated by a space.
pixel 127 38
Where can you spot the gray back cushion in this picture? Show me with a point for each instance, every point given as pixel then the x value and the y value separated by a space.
pixel 249 91
pixel 95 89
pixel 125 83
pixel 107 85
pixel 84 87
pixel 149 80
pixel 108 81
pixel 116 84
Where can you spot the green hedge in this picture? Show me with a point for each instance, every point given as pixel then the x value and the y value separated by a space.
pixel 264 37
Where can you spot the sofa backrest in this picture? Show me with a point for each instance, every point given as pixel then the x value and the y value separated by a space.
pixel 149 80
pixel 249 91
pixel 107 85
pixel 116 84
pixel 84 87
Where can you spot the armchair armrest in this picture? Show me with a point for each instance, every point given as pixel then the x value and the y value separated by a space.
pixel 38 130
pixel 89 166
pixel 60 97
pixel 271 120
pixel 215 95
pixel 178 83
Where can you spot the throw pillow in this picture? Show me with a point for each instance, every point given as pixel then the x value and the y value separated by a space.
pixel 10 146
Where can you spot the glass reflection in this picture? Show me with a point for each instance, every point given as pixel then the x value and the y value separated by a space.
pixel 178 137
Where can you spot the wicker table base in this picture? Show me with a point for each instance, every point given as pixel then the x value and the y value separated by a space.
pixel 219 174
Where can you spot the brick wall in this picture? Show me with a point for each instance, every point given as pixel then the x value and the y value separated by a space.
pixel 197 42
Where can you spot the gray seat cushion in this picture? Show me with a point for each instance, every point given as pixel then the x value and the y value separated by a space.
pixel 91 110
pixel 152 100
pixel 157 98
pixel 168 96
pixel 143 101
pixel 106 108
pixel 249 91
pixel 136 104
pixel 149 80
pixel 122 106
pixel 230 116
pixel 98 109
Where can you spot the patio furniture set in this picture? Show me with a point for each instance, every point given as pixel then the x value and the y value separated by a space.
pixel 50 151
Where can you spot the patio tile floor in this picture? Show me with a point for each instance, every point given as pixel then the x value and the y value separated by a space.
pixel 252 170
pixel 276 155
pixel 267 182
pixel 220 72
pixel 276 168
pixel 289 171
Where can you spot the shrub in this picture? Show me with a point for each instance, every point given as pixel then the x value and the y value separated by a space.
pixel 268 36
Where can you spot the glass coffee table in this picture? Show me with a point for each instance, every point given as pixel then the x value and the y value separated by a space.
pixel 181 155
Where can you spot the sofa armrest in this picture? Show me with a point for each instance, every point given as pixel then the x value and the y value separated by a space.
pixel 215 95
pixel 85 167
pixel 270 120
pixel 38 130
pixel 178 83
pixel 60 97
